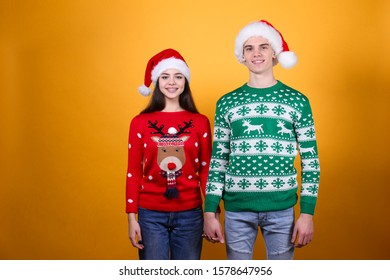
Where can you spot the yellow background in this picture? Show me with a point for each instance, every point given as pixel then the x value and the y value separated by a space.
pixel 69 72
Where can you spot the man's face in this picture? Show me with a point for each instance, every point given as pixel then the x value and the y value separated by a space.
pixel 259 55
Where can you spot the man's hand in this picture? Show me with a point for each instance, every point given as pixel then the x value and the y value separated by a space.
pixel 303 231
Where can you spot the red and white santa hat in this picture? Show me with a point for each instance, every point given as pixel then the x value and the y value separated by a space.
pixel 262 28
pixel 166 59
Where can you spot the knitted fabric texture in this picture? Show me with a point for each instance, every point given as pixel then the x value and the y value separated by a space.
pixel 168 161
pixel 257 136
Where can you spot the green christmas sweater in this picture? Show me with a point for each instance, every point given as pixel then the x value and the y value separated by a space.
pixel 257 136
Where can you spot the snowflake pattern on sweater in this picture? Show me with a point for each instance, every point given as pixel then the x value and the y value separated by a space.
pixel 168 160
pixel 257 136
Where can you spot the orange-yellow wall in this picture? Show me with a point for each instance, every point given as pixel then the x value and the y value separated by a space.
pixel 69 72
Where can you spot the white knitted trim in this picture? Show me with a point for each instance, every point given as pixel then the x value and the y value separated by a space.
pixel 170 63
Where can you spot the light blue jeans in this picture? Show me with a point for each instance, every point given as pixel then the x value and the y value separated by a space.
pixel 241 230
pixel 171 235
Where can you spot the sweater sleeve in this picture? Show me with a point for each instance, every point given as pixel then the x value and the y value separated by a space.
pixel 204 153
pixel 134 166
pixel 219 160
pixel 310 166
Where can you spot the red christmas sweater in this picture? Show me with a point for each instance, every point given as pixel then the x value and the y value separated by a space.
pixel 167 150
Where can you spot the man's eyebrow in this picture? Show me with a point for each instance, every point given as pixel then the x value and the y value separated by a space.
pixel 261 45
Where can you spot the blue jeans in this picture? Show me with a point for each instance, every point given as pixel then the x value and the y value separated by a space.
pixel 171 235
pixel 276 227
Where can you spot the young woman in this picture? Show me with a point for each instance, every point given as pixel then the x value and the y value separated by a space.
pixel 168 160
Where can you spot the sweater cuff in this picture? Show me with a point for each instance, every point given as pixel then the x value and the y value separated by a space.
pixel 212 203
pixel 131 209
pixel 307 208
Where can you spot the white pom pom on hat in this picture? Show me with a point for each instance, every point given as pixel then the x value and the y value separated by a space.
pixel 166 59
pixel 144 90
pixel 284 56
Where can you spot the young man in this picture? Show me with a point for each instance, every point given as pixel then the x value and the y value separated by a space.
pixel 259 128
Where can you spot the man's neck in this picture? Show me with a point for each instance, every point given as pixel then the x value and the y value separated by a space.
pixel 261 80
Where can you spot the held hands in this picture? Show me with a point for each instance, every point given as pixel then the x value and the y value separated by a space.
pixel 135 232
pixel 303 231
pixel 212 229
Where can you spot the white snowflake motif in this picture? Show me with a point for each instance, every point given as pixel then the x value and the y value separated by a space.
pixel 205 135
pixel 130 201
pixel 204 163
pixel 129 175
pixel 196 160
pixel 150 177
pixel 129 146
pixel 196 144
pixel 139 135
pixel 190 177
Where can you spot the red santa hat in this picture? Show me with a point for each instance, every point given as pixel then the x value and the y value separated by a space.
pixel 166 59
pixel 262 28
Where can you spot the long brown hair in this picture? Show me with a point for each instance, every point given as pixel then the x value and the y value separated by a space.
pixel 157 101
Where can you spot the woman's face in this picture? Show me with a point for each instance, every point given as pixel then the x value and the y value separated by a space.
pixel 171 83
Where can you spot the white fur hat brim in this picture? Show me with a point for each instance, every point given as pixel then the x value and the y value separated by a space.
pixel 170 63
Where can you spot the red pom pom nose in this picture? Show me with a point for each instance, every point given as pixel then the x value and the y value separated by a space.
pixel 171 165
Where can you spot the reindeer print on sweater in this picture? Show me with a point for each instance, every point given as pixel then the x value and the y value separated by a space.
pixel 170 154
pixel 258 134
pixel 168 159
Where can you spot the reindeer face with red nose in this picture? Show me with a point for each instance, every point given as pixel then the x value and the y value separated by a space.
pixel 170 155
